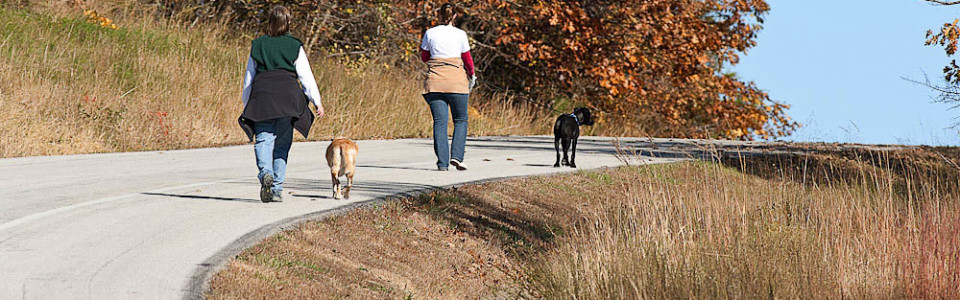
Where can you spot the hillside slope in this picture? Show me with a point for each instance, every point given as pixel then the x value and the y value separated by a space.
pixel 843 223
pixel 69 84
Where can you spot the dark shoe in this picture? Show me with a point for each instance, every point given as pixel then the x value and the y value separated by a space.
pixel 266 186
pixel 277 196
pixel 459 164
pixel 442 169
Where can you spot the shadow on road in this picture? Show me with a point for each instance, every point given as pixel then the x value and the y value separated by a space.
pixel 544 144
pixel 539 165
pixel 201 197
pixel 397 168
pixel 365 188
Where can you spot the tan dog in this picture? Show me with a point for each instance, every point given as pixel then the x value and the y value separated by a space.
pixel 342 159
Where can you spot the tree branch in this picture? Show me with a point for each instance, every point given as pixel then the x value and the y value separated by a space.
pixel 943 2
pixel 948 94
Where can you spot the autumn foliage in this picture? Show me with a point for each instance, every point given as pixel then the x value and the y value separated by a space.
pixel 947 38
pixel 657 67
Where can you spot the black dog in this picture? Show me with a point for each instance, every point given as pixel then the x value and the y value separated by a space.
pixel 567 131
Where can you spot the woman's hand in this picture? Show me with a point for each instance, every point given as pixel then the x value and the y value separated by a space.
pixel 320 111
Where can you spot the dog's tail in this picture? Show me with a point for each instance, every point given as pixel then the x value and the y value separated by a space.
pixel 336 159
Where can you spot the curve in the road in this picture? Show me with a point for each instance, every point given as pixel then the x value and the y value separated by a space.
pixel 158 225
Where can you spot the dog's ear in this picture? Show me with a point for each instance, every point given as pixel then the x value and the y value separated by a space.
pixel 584 115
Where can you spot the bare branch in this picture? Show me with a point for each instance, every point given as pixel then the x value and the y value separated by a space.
pixel 949 94
pixel 935 88
pixel 943 2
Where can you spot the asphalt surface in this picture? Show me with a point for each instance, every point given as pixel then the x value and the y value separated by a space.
pixel 157 225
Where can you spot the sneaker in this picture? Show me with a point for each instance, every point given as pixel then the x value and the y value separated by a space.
pixel 442 169
pixel 459 164
pixel 277 196
pixel 266 185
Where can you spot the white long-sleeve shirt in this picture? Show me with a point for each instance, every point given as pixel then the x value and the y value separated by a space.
pixel 304 74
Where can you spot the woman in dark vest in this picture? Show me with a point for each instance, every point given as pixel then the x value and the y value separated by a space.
pixel 277 86
pixel 450 77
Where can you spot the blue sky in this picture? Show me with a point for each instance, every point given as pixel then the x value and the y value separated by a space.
pixel 839 65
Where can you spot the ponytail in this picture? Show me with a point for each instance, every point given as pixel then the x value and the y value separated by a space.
pixel 448 12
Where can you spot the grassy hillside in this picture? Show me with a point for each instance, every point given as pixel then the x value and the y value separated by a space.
pixel 68 85
pixel 848 224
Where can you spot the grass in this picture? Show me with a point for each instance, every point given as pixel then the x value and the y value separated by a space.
pixel 369 254
pixel 70 86
pixel 857 223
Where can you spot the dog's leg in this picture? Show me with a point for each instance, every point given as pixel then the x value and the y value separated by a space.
pixel 335 161
pixel 336 183
pixel 556 145
pixel 566 147
pixel 573 154
pixel 346 191
pixel 349 170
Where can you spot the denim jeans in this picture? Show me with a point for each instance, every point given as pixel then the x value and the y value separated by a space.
pixel 273 140
pixel 457 103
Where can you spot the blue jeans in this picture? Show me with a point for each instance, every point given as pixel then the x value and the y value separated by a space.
pixel 457 103
pixel 273 141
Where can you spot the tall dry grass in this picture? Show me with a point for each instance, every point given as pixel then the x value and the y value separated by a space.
pixel 703 230
pixel 847 224
pixel 70 86
pixel 376 103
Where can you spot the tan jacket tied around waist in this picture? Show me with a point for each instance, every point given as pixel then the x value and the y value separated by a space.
pixel 446 75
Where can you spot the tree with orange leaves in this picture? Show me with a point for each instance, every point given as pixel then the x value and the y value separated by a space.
pixel 659 60
pixel 657 65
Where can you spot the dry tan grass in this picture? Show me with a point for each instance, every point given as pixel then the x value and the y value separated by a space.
pixel 390 252
pixel 68 86
pixel 74 87
pixel 376 103
pixel 860 225
pixel 866 229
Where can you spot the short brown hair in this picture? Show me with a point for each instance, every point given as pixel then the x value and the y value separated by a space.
pixel 278 21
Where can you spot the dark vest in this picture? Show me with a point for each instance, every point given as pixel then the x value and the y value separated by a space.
pixel 275 52
pixel 276 92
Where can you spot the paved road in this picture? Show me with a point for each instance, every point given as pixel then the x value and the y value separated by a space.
pixel 156 225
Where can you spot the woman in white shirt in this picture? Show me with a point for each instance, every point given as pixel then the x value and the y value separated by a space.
pixel 450 77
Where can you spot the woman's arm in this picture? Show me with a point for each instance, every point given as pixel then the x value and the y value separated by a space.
pixel 424 46
pixel 424 55
pixel 467 63
pixel 465 54
pixel 248 80
pixel 307 81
